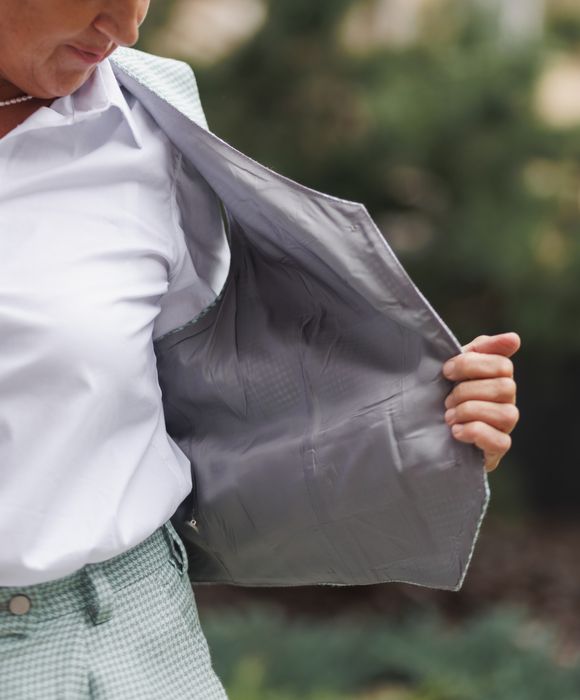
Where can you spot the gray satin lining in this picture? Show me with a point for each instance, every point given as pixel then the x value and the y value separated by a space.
pixel 310 399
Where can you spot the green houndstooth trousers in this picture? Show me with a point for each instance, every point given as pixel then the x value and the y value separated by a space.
pixel 124 629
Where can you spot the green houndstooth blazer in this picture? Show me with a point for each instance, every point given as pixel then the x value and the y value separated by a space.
pixel 306 390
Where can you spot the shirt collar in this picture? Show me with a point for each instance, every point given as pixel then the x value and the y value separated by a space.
pixel 100 93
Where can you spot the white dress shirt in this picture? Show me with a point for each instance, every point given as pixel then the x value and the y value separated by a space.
pixel 90 242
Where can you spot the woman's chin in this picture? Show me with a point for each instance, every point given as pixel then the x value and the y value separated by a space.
pixel 65 84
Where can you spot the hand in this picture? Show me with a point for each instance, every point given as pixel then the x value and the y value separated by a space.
pixel 481 408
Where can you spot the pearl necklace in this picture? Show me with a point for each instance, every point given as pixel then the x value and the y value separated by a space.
pixel 16 100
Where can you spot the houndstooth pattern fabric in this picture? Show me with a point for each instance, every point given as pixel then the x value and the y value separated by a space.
pixel 172 80
pixel 121 630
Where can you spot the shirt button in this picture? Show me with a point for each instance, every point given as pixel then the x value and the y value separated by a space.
pixel 19 605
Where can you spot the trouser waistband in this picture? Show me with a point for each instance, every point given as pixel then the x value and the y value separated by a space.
pixel 93 586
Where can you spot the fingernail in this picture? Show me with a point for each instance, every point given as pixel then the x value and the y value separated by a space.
pixel 448 369
pixel 457 430
pixel 450 415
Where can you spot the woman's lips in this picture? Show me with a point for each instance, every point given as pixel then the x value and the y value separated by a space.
pixel 87 57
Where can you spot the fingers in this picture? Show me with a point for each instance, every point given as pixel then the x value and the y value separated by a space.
pixel 500 390
pixel 475 365
pixel 506 344
pixel 504 416
pixel 492 441
pixel 481 408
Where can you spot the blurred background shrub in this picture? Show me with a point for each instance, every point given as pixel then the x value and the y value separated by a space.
pixel 260 655
pixel 457 123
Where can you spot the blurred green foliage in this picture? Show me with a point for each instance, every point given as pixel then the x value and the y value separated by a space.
pixel 439 141
pixel 442 142
pixel 263 656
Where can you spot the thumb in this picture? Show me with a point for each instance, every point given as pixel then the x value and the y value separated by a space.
pixel 506 344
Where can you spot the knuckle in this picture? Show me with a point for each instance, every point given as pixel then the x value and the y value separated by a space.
pixel 462 412
pixel 458 393
pixel 506 367
pixel 475 363
pixel 506 443
pixel 512 415
pixel 474 431
pixel 480 339
pixel 507 387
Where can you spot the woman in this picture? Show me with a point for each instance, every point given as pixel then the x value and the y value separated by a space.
pixel 313 366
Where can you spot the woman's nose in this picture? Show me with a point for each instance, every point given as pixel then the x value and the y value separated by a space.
pixel 121 19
